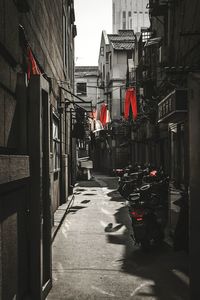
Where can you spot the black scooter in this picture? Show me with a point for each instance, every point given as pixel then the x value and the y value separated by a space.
pixel 148 212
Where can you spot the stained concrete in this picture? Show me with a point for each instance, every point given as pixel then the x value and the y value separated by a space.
pixel 94 256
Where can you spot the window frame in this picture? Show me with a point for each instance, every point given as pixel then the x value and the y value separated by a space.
pixel 82 91
pixel 56 144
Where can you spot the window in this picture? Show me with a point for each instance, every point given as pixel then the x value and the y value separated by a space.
pixel 131 24
pixel 102 51
pixel 114 13
pixel 107 57
pixel 124 14
pixel 110 62
pixel 124 25
pixel 56 144
pixel 81 88
pixel 129 13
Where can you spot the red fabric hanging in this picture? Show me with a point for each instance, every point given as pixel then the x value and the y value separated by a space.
pixel 103 114
pixel 32 65
pixel 130 99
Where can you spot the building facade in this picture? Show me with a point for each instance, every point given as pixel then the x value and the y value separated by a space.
pixel 130 14
pixel 86 83
pixel 116 51
pixel 86 88
pixel 166 130
pixel 36 78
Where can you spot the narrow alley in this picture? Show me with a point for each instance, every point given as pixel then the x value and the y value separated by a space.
pixel 94 256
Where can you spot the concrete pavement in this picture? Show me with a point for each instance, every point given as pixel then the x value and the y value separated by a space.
pixel 94 256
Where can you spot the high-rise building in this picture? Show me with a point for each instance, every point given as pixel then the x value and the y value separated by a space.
pixel 130 14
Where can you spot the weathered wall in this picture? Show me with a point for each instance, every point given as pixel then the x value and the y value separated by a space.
pixel 194 142
pixel 119 65
pixel 43 28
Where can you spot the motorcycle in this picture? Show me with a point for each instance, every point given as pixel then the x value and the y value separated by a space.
pixel 148 212
pixel 130 180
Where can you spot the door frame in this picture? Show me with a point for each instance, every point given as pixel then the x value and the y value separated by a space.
pixel 40 197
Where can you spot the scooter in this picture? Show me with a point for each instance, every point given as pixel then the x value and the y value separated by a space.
pixel 130 181
pixel 148 214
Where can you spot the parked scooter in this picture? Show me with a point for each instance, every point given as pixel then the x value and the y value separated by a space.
pixel 124 179
pixel 148 212
pixel 131 180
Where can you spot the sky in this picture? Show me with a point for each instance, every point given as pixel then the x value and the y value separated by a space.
pixel 92 16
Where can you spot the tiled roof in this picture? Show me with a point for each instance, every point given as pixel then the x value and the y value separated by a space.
pixel 123 45
pixel 124 40
pixel 86 70
pixel 116 38
pixel 126 32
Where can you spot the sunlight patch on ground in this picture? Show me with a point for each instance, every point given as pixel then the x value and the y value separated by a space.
pixel 103 224
pixel 141 286
pixel 102 291
pixel 106 212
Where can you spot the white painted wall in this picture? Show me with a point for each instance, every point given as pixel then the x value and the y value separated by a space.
pixel 92 91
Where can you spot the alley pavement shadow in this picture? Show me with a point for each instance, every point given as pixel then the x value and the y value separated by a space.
pixel 166 270
pixel 110 228
pixel 74 209
pixel 80 190
pixel 85 201
pixel 87 183
pixel 115 196
pixel 89 194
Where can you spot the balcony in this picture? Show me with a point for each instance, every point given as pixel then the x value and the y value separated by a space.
pixel 173 108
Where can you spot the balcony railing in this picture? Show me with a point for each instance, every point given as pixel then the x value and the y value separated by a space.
pixel 173 108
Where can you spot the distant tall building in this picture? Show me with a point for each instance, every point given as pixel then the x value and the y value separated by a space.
pixel 130 14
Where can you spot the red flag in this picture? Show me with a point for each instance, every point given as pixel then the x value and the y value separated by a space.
pixel 32 64
pixel 130 100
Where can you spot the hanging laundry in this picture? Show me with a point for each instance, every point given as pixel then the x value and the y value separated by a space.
pixel 32 64
pixel 103 114
pixel 130 101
